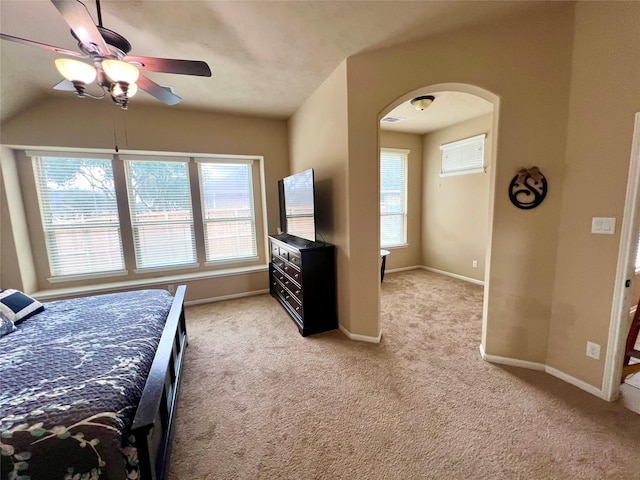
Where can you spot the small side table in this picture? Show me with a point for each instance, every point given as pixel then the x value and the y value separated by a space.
pixel 383 254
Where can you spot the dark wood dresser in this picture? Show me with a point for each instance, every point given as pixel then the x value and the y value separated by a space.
pixel 302 278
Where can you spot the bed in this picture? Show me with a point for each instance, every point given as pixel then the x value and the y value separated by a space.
pixel 88 388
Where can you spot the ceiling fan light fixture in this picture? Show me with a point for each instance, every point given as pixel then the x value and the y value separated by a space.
pixel 76 71
pixel 119 71
pixel 423 102
pixel 119 90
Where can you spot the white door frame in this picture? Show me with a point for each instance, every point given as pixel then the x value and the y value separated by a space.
pixel 625 271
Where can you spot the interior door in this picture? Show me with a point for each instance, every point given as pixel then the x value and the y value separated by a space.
pixel 623 291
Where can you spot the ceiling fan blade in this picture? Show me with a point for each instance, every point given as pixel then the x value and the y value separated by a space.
pixel 24 41
pixel 168 65
pixel 161 93
pixel 64 86
pixel 77 16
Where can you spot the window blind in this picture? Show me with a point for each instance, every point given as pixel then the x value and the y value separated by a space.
pixel 228 209
pixel 161 213
pixel 393 197
pixel 79 215
pixel 463 157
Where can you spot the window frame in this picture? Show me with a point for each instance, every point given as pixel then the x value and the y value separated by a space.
pixel 404 156
pixel 221 160
pixel 463 157
pixel 51 247
pixel 134 276
pixel 136 225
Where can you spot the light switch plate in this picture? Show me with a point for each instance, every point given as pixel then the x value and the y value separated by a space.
pixel 603 225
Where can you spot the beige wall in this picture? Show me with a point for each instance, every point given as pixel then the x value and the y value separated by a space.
pixel 318 140
pixel 456 208
pixel 410 255
pixel 526 62
pixel 74 123
pixel 605 94
pixel 18 269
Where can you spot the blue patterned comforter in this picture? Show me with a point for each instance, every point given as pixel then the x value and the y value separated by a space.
pixel 71 378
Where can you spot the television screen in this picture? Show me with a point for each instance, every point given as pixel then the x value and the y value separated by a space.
pixel 299 207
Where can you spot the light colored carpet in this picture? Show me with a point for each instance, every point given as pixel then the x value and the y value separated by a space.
pixel 258 401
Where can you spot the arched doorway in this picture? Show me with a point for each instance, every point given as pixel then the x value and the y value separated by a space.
pixel 463 111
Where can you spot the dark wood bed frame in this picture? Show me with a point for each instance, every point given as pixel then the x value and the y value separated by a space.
pixel 153 423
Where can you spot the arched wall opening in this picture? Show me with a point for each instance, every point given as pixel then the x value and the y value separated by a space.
pixel 490 161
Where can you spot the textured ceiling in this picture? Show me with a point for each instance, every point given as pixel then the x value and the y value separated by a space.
pixel 266 57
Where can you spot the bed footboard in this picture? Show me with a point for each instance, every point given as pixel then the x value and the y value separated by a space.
pixel 153 423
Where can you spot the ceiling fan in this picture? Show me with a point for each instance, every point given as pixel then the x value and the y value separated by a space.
pixel 113 69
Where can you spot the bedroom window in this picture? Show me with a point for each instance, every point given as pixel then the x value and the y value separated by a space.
pixel 463 157
pixel 161 212
pixel 79 215
pixel 228 211
pixel 393 197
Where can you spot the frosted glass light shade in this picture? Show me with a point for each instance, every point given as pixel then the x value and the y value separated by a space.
pixel 423 102
pixel 119 71
pixel 73 70
pixel 131 91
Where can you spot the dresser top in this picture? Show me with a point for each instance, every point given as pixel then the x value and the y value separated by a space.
pixel 299 243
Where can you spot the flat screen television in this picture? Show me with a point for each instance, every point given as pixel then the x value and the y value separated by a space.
pixel 297 205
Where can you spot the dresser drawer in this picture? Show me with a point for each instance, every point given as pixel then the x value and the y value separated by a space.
pixel 290 298
pixel 293 273
pixel 297 307
pixel 278 262
pixel 284 253
pixel 294 257
pixel 295 290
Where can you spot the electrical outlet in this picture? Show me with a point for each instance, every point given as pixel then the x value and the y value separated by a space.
pixel 475 264
pixel 593 350
pixel 171 288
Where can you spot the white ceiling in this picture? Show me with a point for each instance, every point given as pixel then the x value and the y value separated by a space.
pixel 266 57
pixel 448 108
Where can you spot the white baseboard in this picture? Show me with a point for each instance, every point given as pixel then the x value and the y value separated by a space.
pixel 514 362
pixel 454 275
pixel 402 269
pixel 360 338
pixel 575 381
pixel 225 297
pixel 511 362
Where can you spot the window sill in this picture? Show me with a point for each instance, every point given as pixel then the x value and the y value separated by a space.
pixel 156 282
pixel 463 172
pixel 394 247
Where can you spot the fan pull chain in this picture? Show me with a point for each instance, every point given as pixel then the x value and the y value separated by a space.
pixel 115 139
pixel 126 135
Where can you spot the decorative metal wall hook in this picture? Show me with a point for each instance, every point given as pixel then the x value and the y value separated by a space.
pixel 528 188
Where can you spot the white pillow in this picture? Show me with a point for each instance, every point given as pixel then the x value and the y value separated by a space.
pixel 18 306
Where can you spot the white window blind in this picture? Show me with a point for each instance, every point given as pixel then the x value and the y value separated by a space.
pixel 228 209
pixel 79 215
pixel 161 213
pixel 393 197
pixel 463 157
